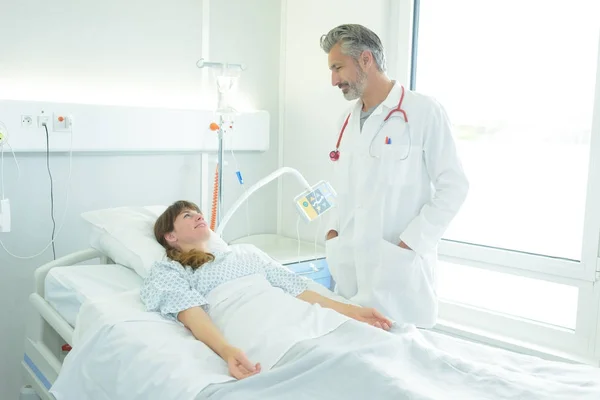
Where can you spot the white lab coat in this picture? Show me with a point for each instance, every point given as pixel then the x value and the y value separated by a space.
pixel 408 191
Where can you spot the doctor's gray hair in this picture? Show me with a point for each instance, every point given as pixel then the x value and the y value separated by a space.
pixel 355 39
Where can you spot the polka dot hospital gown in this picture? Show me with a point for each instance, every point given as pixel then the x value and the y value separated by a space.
pixel 171 288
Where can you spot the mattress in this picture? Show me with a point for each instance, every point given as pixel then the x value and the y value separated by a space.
pixel 67 288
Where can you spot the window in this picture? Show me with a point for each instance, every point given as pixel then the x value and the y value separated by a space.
pixel 527 298
pixel 517 79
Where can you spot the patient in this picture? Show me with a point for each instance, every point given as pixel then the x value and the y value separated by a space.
pixel 178 288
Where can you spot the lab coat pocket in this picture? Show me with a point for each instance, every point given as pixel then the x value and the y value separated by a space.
pixel 399 267
pixel 396 160
pixel 340 261
pixel 397 282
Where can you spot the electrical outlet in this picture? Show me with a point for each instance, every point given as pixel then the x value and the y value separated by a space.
pixel 26 121
pixel 43 119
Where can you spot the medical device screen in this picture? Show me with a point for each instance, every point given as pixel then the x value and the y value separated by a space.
pixel 316 201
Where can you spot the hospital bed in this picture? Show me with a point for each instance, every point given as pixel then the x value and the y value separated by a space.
pixel 64 285
pixel 79 285
pixel 61 287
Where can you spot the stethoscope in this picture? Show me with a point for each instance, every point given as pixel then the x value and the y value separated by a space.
pixel 334 155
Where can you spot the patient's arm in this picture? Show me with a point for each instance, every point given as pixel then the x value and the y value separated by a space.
pixel 203 329
pixel 363 314
pixel 315 298
pixel 198 321
pixel 168 290
pixel 295 285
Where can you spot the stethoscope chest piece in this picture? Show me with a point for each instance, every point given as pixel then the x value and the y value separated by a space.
pixel 334 155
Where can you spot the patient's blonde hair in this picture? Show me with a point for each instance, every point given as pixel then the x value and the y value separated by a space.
pixel 166 224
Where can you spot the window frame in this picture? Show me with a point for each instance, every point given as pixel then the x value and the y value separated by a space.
pixel 584 341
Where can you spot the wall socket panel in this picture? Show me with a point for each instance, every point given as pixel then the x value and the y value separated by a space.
pixel 55 122
pixel 43 119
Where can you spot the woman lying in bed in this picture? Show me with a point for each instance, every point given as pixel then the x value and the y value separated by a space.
pixel 179 288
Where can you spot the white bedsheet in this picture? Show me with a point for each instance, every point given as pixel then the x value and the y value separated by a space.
pixel 67 288
pixel 122 352
pixel 128 351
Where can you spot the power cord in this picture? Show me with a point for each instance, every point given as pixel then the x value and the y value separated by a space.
pixel 4 141
pixel 315 241
pixel 64 216
pixel 51 190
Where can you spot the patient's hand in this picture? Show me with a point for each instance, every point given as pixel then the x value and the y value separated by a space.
pixel 239 365
pixel 369 315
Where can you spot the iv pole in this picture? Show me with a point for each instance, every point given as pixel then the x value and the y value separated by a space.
pixel 225 83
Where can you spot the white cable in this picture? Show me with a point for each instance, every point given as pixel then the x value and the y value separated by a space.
pixel 316 236
pixel 299 242
pixel 2 154
pixel 237 169
pixel 247 217
pixel 298 238
pixel 2 164
pixel 16 162
pixel 64 217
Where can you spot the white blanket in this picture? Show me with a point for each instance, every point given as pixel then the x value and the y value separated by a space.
pixel 122 352
pixel 359 362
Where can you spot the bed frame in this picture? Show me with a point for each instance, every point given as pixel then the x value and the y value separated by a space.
pixel 47 330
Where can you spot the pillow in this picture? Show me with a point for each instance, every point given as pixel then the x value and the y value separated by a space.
pixel 126 236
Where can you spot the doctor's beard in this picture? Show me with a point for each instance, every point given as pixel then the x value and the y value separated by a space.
pixel 356 89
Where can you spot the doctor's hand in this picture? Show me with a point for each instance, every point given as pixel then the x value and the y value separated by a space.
pixel 331 234
pixel 369 315
pixel 239 365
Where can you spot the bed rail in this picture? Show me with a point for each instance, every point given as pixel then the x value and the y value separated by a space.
pixel 54 319
pixel 70 259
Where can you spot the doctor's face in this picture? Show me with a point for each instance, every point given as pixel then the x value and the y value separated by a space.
pixel 346 73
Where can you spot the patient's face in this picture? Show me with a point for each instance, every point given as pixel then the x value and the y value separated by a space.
pixel 190 229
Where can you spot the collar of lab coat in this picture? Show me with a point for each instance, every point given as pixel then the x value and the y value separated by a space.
pixel 391 101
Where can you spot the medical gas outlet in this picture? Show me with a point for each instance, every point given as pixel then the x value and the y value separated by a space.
pixel 61 123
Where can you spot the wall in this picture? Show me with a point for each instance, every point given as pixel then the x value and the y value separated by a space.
pixel 312 108
pixel 101 52
pixel 122 53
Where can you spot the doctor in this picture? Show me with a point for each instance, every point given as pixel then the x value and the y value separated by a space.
pixel 399 182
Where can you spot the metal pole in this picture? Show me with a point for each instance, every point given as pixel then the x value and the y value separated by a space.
pixel 415 44
pixel 220 171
